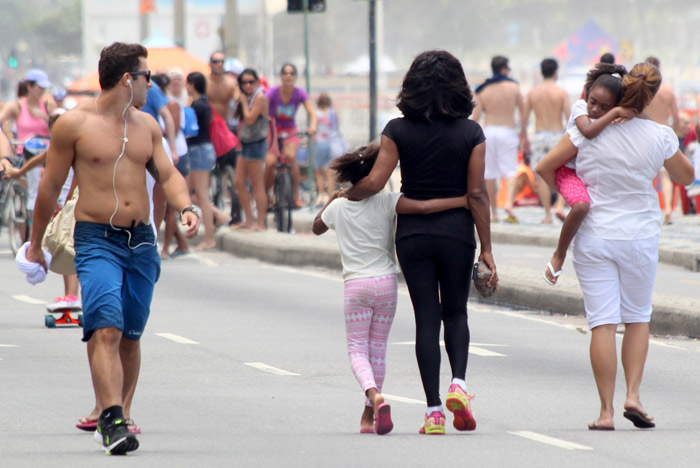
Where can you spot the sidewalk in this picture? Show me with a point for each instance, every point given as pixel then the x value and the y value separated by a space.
pixel 522 251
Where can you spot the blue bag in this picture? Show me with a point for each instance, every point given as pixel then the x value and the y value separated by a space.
pixel 189 125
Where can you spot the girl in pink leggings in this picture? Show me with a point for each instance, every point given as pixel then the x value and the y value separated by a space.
pixel 364 229
pixel 603 90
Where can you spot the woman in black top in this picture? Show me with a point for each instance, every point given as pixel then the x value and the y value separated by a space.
pixel 201 156
pixel 442 155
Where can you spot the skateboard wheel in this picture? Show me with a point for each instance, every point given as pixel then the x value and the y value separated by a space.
pixel 50 321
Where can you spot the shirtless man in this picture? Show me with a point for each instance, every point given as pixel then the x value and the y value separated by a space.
pixel 659 110
pixel 222 87
pixel 498 97
pixel 110 145
pixel 552 108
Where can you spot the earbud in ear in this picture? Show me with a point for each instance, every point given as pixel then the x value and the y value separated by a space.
pixel 128 82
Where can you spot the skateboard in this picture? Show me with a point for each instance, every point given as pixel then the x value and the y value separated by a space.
pixel 70 316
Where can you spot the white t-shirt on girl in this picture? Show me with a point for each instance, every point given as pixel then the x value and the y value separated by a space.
pixel 580 108
pixel 365 231
pixel 618 167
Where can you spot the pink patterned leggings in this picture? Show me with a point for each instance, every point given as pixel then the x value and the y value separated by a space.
pixel 370 305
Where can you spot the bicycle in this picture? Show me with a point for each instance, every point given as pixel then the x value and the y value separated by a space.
pixel 283 190
pixel 222 190
pixel 14 214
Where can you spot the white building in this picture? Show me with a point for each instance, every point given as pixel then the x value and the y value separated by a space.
pixel 108 21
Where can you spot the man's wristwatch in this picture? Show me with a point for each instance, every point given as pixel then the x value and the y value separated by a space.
pixel 189 208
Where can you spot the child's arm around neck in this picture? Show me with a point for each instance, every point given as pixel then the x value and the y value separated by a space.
pixel 592 128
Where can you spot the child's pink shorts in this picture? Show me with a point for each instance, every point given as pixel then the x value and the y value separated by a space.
pixel 571 186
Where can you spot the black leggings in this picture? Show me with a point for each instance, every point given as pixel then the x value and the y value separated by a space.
pixel 438 272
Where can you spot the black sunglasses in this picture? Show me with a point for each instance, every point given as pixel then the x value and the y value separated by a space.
pixel 147 74
pixel 246 82
pixel 216 61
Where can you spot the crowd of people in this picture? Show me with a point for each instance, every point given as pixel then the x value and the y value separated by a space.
pixel 135 171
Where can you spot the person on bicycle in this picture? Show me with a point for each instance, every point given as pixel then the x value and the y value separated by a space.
pixel 284 102
pixel 31 116
pixel 253 129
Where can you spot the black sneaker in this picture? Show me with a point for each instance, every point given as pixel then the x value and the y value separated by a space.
pixel 115 437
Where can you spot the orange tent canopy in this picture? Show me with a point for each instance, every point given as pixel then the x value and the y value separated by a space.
pixel 159 59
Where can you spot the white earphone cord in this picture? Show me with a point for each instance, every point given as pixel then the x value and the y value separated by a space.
pixel 114 178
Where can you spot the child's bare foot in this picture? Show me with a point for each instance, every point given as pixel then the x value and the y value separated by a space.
pixel 367 421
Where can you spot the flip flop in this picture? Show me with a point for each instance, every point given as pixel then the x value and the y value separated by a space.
pixel 594 427
pixel 382 420
pixel 555 274
pixel 367 431
pixel 133 427
pixel 639 419
pixel 87 425
pixel 178 253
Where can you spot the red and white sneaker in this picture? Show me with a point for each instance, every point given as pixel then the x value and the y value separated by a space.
pixel 458 402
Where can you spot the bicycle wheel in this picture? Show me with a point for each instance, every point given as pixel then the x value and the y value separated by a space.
pixel 17 216
pixel 284 202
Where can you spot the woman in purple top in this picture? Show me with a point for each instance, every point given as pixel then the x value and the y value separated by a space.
pixel 284 102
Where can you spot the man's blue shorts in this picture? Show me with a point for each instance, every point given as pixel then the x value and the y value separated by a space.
pixel 117 270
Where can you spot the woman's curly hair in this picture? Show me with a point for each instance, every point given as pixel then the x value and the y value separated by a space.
pixel 435 87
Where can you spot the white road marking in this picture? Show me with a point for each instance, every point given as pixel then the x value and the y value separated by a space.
pixel 28 300
pixel 410 401
pixel 8 346
pixel 550 440
pixel 5 251
pixel 535 319
pixel 205 260
pixel 266 368
pixel 176 338
pixel 476 350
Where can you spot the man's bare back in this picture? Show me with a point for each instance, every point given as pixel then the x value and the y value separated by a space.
pixel 550 104
pixel 499 101
pixel 663 106
pixel 221 89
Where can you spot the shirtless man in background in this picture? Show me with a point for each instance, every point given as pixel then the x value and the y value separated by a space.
pixel 552 108
pixel 498 97
pixel 110 145
pixel 661 107
pixel 221 86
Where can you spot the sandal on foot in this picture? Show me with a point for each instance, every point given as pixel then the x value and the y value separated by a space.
pixel 382 419
pixel 133 427
pixel 87 425
pixel 594 427
pixel 555 274
pixel 639 419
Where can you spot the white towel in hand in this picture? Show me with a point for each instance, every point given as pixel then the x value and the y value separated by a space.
pixel 34 271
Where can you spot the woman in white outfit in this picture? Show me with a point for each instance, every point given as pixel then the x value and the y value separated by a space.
pixel 616 249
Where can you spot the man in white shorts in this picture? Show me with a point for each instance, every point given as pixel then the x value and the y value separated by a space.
pixel 552 108
pixel 664 110
pixel 498 97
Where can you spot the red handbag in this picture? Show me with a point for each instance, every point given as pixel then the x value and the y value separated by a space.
pixel 221 137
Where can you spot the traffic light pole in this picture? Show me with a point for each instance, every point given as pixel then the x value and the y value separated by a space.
pixel 372 69
pixel 310 146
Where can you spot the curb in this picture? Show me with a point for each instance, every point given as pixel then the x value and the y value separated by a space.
pixel 520 288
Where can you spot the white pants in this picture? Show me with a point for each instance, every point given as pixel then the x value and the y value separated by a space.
pixel 501 158
pixel 616 277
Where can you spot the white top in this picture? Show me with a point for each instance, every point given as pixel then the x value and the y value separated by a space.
pixel 365 231
pixel 580 108
pixel 618 167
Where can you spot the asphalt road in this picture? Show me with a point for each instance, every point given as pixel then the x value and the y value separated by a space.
pixel 244 364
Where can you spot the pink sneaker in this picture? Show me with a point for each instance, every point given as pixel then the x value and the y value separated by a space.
pixel 65 302
pixel 458 402
pixel 434 424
